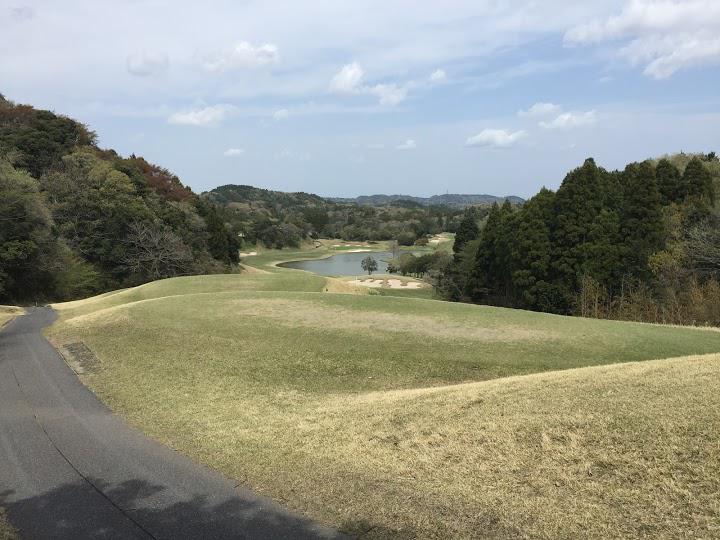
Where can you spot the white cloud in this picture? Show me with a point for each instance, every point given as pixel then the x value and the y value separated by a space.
pixel 232 152
pixel 347 80
pixel 541 109
pixel 663 35
pixel 495 138
pixel 388 94
pixel 281 114
pixel 243 55
pixel 144 64
pixel 438 76
pixel 570 120
pixel 201 117
pixel 410 144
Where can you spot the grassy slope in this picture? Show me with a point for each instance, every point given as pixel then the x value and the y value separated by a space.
pixel 322 401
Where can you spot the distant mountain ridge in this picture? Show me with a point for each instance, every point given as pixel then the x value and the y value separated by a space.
pixel 448 199
pixel 232 193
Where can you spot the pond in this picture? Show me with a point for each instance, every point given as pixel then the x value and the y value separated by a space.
pixel 342 264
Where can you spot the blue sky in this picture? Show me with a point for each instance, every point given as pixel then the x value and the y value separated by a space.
pixel 348 98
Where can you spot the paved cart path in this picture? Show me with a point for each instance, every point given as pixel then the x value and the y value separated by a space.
pixel 70 468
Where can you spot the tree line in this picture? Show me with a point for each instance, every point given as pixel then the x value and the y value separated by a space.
pixel 642 244
pixel 277 219
pixel 77 220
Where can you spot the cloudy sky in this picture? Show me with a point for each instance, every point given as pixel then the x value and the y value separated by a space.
pixel 369 96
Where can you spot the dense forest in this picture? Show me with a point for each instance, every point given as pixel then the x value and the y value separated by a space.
pixel 452 200
pixel 640 244
pixel 77 220
pixel 277 219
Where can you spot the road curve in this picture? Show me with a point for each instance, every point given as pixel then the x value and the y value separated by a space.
pixel 71 469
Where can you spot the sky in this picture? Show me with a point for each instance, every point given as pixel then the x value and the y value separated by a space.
pixel 344 98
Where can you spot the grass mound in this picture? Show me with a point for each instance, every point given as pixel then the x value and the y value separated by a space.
pixel 403 417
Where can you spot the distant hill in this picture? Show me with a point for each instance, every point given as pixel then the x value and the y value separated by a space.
pixel 231 193
pixel 449 199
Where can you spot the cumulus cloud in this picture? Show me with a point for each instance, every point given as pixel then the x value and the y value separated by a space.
pixel 281 114
pixel 243 55
pixel 663 35
pixel 495 138
pixel 438 76
pixel 144 64
pixel 349 81
pixel 233 152
pixel 410 144
pixel 541 109
pixel 201 117
pixel 570 120
pixel 388 94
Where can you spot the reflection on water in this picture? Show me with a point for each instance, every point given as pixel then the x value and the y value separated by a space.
pixel 342 264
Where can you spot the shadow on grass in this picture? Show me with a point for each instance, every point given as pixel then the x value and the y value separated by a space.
pixel 135 509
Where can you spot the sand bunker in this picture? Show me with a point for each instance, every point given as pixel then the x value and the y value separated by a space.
pixel 248 254
pixel 388 283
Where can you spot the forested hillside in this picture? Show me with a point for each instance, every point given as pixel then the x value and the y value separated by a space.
pixel 642 244
pixel 78 220
pixel 453 200
pixel 277 219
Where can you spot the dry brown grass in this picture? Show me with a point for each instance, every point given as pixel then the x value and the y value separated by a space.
pixel 621 451
pixel 335 285
pixel 344 407
pixel 7 531
pixel 8 313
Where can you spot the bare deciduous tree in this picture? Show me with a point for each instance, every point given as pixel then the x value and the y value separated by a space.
pixel 703 248
pixel 156 252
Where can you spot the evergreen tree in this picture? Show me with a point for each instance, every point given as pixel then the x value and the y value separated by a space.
pixel 698 181
pixel 467 231
pixel 669 181
pixel 642 225
pixel 481 279
pixel 502 266
pixel 532 252
pixel 577 204
pixel 606 250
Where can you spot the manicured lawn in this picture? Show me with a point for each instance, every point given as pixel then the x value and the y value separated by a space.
pixel 406 417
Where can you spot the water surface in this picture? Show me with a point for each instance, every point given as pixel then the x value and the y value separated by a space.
pixel 342 264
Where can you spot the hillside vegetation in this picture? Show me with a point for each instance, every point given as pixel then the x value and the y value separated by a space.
pixel 77 220
pixel 454 200
pixel 639 244
pixel 408 418
pixel 277 220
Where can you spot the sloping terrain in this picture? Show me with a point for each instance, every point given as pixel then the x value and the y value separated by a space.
pixel 402 417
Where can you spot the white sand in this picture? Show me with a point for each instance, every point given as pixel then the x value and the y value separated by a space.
pixel 356 250
pixel 248 254
pixel 389 283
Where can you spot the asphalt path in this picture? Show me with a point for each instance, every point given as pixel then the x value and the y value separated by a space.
pixel 71 469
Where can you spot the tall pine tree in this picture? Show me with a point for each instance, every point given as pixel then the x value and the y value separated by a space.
pixel 642 225
pixel 577 203
pixel 532 253
pixel 467 231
